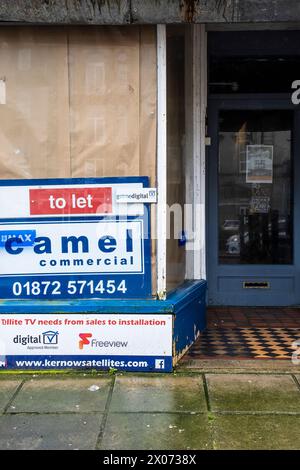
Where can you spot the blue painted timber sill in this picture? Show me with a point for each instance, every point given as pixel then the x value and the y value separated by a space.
pixel 176 301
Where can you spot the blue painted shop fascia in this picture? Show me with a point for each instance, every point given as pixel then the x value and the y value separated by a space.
pixel 177 301
pixel 187 304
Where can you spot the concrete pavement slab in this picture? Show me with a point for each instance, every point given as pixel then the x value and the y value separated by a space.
pixel 250 392
pixel 158 394
pixel 257 432
pixel 164 431
pixel 238 365
pixel 64 394
pixel 53 432
pixel 7 389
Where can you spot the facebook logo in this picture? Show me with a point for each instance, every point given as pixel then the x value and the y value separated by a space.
pixel 159 363
pixel 2 361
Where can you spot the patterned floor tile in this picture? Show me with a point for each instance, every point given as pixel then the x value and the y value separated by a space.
pixel 255 343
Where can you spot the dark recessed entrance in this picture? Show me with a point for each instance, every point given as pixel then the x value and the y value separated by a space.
pixel 253 170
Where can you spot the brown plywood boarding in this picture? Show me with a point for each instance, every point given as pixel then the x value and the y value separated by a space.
pixel 112 101
pixel 34 113
pixel 78 102
pixel 113 105
pixel 104 98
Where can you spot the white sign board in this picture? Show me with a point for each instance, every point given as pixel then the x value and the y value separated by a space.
pixel 141 196
pixel 97 247
pixel 103 341
pixel 259 164
pixel 72 240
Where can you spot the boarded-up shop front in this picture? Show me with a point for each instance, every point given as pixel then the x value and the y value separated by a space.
pixel 82 113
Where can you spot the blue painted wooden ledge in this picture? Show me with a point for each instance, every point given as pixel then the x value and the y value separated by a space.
pixel 176 301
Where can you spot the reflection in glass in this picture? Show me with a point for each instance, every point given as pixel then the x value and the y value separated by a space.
pixel 255 187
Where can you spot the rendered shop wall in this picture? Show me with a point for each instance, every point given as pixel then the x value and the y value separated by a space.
pixel 78 102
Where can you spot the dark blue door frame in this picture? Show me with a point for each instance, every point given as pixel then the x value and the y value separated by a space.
pixel 284 280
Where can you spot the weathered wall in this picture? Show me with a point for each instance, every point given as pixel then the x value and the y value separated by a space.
pixel 148 11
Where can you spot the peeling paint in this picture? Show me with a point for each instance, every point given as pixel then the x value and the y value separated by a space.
pixel 161 295
pixel 174 347
pixel 180 354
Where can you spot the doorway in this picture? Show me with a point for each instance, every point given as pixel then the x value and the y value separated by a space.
pixel 253 174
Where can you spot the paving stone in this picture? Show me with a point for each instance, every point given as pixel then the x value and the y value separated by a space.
pixel 256 432
pixel 164 431
pixel 249 392
pixel 158 394
pixel 65 394
pixel 7 389
pixel 51 432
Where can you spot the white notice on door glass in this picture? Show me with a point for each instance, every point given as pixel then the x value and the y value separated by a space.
pixel 2 91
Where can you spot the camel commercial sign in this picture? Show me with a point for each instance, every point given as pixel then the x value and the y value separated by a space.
pixel 68 239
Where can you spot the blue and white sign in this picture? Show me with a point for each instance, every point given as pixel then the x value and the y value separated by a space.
pixel 148 195
pixel 130 342
pixel 66 255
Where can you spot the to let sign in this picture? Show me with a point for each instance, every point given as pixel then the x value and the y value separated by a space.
pixel 70 201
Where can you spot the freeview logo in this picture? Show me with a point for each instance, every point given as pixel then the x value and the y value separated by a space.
pixel 84 339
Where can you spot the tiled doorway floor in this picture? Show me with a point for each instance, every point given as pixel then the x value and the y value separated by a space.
pixel 248 333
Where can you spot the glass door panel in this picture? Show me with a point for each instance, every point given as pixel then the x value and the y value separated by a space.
pixel 255 190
